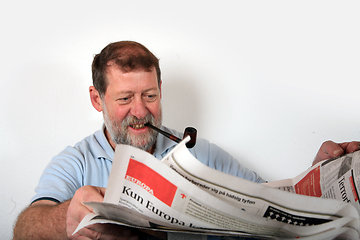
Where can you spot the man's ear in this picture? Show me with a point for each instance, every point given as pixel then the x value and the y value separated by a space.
pixel 95 99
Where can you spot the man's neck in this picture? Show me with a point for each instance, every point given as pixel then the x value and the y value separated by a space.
pixel 108 138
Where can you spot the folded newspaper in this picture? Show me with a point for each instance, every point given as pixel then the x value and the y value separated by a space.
pixel 337 178
pixel 179 194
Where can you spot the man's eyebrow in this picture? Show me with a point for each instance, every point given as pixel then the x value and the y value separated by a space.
pixel 124 92
pixel 151 89
pixel 130 92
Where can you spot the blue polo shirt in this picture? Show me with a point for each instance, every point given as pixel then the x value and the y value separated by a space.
pixel 89 163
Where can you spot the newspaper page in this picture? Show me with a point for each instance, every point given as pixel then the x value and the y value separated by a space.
pixel 146 193
pixel 336 178
pixel 249 196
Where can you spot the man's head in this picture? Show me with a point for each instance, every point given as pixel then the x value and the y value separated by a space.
pixel 128 56
pixel 127 89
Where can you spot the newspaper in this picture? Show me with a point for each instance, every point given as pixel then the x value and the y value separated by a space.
pixel 180 194
pixel 337 178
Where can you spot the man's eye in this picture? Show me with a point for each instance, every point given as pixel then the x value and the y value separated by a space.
pixel 151 97
pixel 124 100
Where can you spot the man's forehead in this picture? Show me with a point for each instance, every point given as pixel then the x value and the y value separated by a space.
pixel 115 76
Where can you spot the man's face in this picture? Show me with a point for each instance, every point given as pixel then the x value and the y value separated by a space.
pixel 131 100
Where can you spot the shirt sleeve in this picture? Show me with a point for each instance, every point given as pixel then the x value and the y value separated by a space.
pixel 217 158
pixel 61 177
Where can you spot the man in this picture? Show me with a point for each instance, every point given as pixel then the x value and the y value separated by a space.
pixel 127 90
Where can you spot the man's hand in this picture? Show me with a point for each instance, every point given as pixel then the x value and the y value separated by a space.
pixel 330 149
pixel 77 211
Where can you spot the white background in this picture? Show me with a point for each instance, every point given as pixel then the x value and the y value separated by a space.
pixel 268 81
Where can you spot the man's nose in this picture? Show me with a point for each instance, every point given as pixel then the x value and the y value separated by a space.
pixel 138 109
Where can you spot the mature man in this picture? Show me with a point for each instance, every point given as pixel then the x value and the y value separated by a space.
pixel 127 89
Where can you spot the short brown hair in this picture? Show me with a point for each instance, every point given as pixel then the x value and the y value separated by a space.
pixel 128 56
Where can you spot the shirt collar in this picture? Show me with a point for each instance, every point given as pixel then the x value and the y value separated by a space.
pixel 108 151
pixel 163 144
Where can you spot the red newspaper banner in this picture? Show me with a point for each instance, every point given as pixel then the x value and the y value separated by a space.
pixel 310 184
pixel 151 181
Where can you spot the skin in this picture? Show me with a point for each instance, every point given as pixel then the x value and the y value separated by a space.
pixel 330 149
pixel 128 94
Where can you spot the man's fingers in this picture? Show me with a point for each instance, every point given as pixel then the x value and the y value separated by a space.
pixel 90 193
pixel 102 190
pixel 350 147
pixel 77 210
pixel 330 149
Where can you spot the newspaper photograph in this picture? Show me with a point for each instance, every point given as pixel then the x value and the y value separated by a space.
pixel 180 194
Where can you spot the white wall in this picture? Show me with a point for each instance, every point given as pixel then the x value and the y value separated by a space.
pixel 268 81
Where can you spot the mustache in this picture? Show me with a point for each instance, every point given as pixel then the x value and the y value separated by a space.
pixel 132 120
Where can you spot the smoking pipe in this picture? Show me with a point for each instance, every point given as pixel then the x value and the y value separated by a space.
pixel 189 131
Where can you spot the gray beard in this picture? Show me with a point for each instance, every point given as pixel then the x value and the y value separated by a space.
pixel 120 135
